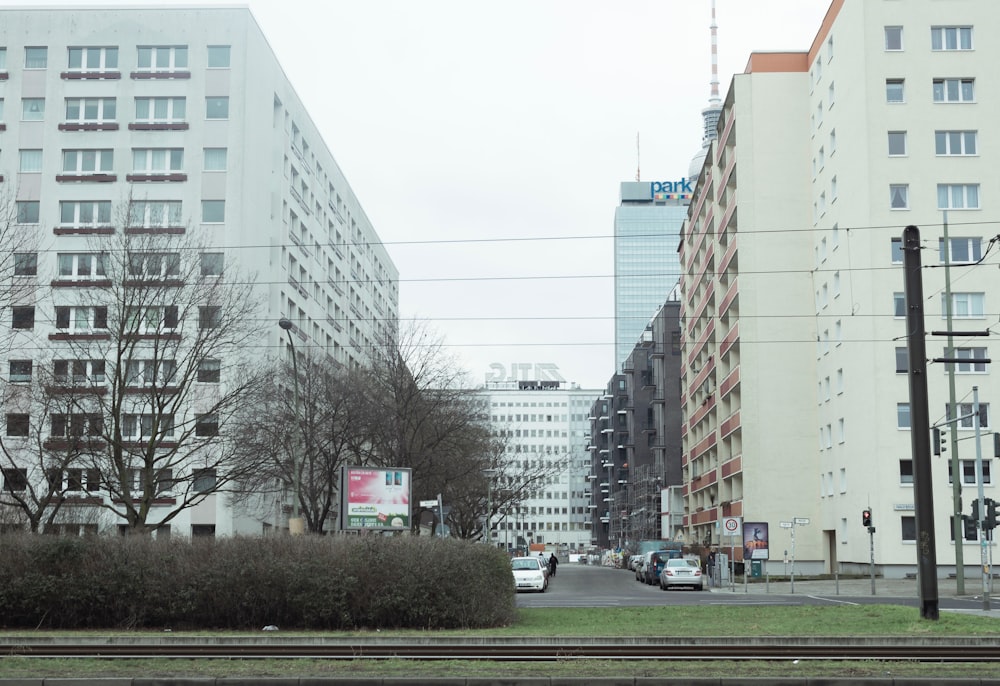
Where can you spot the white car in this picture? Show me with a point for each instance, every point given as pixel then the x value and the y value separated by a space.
pixel 529 574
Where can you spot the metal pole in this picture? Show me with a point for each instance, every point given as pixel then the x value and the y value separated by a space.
pixel 923 493
pixel 956 481
pixel 983 543
pixel 295 523
pixel 793 557
pixel 871 554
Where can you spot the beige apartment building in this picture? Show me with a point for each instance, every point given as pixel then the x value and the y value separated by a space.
pixel 794 383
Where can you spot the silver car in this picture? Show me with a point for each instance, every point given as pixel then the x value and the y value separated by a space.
pixel 682 572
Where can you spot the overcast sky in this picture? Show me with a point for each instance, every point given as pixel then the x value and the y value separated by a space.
pixel 486 142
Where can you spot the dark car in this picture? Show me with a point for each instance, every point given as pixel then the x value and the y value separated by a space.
pixel 651 572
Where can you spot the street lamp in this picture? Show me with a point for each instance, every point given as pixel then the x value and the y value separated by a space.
pixel 295 525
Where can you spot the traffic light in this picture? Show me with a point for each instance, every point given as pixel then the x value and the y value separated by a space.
pixel 970 527
pixel 991 514
pixel 940 441
pixel 975 510
pixel 866 517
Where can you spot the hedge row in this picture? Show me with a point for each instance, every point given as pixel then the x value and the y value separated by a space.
pixel 332 583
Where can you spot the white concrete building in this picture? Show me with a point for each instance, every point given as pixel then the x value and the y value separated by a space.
pixel 187 114
pixel 796 393
pixel 545 426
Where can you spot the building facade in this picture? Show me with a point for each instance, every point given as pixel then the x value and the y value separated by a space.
pixel 543 426
pixel 647 232
pixel 795 391
pixel 178 122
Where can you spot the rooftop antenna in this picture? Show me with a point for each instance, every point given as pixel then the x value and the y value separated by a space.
pixel 637 157
pixel 711 113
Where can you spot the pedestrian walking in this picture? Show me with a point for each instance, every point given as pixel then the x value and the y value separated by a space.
pixel 553 563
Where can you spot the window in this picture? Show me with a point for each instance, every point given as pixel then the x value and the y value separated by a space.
pixel 894 90
pixel 32 109
pixel 90 110
pixel 14 479
pixel 155 214
pixel 204 480
pixel 82 266
pixel 154 265
pixel 25 264
pixel 902 360
pixel 19 371
pixel 893 38
pixel 160 58
pixel 209 316
pixel 36 58
pixel 93 59
pixel 157 160
pixel 141 426
pixel 206 425
pixel 216 108
pixel 899 196
pixel 22 318
pixel 78 319
pixel 967 418
pixel 906 472
pixel 160 110
pixel 213 211
pixel 209 371
pixel 951 38
pixel 17 425
pixel 964 305
pixel 956 143
pixel 85 213
pixel 78 372
pixel 150 372
pixel 833 189
pixel 3 59
pixel 954 90
pixel 218 56
pixel 1 108
pixel 27 211
pixel 897 250
pixel 958 196
pixel 970 354
pixel 897 143
pixel 969 472
pixel 150 320
pixel 902 415
pixel 961 250
pixel 833 141
pixel 215 159
pixel 211 263
pixel 908 528
pixel 30 160
pixel 75 424
pixel 88 161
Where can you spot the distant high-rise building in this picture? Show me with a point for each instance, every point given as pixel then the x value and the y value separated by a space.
pixel 647 233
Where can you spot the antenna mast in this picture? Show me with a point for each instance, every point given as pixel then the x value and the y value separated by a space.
pixel 637 157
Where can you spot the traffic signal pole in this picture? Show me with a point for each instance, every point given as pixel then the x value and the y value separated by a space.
pixel 983 531
pixel 923 503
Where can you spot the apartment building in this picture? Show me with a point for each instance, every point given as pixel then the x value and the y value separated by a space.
pixel 794 381
pixel 175 122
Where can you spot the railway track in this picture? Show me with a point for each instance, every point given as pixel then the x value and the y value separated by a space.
pixel 970 649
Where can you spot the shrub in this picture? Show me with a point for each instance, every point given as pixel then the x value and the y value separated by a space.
pixel 331 583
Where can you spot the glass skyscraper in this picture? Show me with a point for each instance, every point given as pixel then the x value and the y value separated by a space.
pixel 647 233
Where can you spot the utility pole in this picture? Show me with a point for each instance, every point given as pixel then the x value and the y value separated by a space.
pixel 956 481
pixel 923 502
pixel 983 532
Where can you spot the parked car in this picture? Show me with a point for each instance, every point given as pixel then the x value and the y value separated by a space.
pixel 530 574
pixel 682 572
pixel 654 564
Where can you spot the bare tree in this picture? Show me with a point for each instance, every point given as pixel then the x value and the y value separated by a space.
pixel 18 264
pixel 162 331
pixel 316 439
pixel 420 413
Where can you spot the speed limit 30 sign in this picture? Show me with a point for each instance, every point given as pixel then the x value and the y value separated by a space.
pixel 732 526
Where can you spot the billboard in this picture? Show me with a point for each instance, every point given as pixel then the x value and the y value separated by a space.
pixel 755 541
pixel 375 498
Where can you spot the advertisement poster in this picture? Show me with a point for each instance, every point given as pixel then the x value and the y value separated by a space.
pixel 755 541
pixel 375 498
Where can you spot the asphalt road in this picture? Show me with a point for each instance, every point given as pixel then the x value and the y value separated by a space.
pixel 594 586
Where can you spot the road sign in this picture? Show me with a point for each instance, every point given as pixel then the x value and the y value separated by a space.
pixel 785 525
pixel 731 526
pixel 802 520
pixel 428 503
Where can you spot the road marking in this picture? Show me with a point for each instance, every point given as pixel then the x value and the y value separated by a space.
pixel 831 600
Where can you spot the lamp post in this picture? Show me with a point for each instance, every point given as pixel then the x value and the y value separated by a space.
pixel 488 473
pixel 295 525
